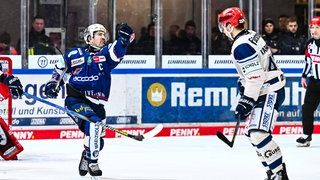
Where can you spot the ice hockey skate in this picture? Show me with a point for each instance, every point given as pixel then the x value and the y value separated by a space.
pixel 83 165
pixel 281 175
pixel 304 141
pixel 94 169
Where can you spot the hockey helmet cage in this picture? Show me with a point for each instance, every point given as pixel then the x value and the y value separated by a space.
pixel 315 21
pixel 90 30
pixel 233 16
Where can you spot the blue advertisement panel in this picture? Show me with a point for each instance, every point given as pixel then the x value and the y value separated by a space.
pixel 187 99
pixel 205 99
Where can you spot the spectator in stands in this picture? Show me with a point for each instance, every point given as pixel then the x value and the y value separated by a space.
pixel 292 42
pixel 190 43
pixel 5 47
pixel 269 35
pixel 172 46
pixel 39 42
pixel 220 43
pixel 145 45
pixel 282 24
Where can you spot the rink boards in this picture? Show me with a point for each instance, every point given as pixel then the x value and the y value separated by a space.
pixel 188 101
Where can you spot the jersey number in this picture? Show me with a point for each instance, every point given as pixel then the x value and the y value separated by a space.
pixel 272 64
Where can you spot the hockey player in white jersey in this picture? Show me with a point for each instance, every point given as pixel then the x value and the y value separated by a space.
pixel 261 84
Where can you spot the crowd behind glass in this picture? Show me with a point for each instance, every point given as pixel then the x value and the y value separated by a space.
pixel 283 36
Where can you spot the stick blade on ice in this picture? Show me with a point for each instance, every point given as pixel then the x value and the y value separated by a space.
pixel 225 139
pixel 153 132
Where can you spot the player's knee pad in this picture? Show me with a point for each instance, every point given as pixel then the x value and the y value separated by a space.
pixel 258 137
pixel 268 151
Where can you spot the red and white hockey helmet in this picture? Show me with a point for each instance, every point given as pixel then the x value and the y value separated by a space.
pixel 90 30
pixel 315 21
pixel 233 16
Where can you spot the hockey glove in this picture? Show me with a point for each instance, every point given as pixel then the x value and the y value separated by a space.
pixel 14 85
pixel 126 34
pixel 244 107
pixel 51 90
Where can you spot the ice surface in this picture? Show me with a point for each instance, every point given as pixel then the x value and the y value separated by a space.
pixel 161 158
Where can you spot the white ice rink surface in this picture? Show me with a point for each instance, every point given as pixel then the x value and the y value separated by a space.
pixel 161 158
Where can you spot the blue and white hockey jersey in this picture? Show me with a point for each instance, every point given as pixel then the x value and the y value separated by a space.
pixel 90 73
pixel 258 72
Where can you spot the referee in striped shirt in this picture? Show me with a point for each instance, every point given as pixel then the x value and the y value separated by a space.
pixel 312 96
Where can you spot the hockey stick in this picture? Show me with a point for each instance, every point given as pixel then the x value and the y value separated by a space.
pixel 147 135
pixel 225 139
pixel 64 70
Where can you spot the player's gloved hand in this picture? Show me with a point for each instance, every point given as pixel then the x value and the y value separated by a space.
pixel 244 107
pixel 126 34
pixel 14 85
pixel 51 90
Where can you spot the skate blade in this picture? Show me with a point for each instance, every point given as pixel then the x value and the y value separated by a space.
pixel 307 144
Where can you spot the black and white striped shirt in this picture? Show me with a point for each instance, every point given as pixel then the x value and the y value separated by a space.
pixel 312 58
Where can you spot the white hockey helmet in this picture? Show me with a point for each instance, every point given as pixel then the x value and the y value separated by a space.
pixel 90 30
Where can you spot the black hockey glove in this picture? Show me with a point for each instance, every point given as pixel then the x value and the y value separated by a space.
pixel 126 34
pixel 51 90
pixel 14 85
pixel 244 107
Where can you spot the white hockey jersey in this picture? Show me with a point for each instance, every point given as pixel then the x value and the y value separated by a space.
pixel 258 72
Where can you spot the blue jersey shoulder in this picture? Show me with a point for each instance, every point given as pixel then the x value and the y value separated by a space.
pixel 244 52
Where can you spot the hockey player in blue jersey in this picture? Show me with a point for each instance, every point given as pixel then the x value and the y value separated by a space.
pixel 89 79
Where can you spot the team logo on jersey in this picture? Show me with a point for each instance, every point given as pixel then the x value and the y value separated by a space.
pixel 76 62
pixel 156 94
pixel 89 60
pixel 315 58
pixel 98 59
pixel 250 67
pixel 86 78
